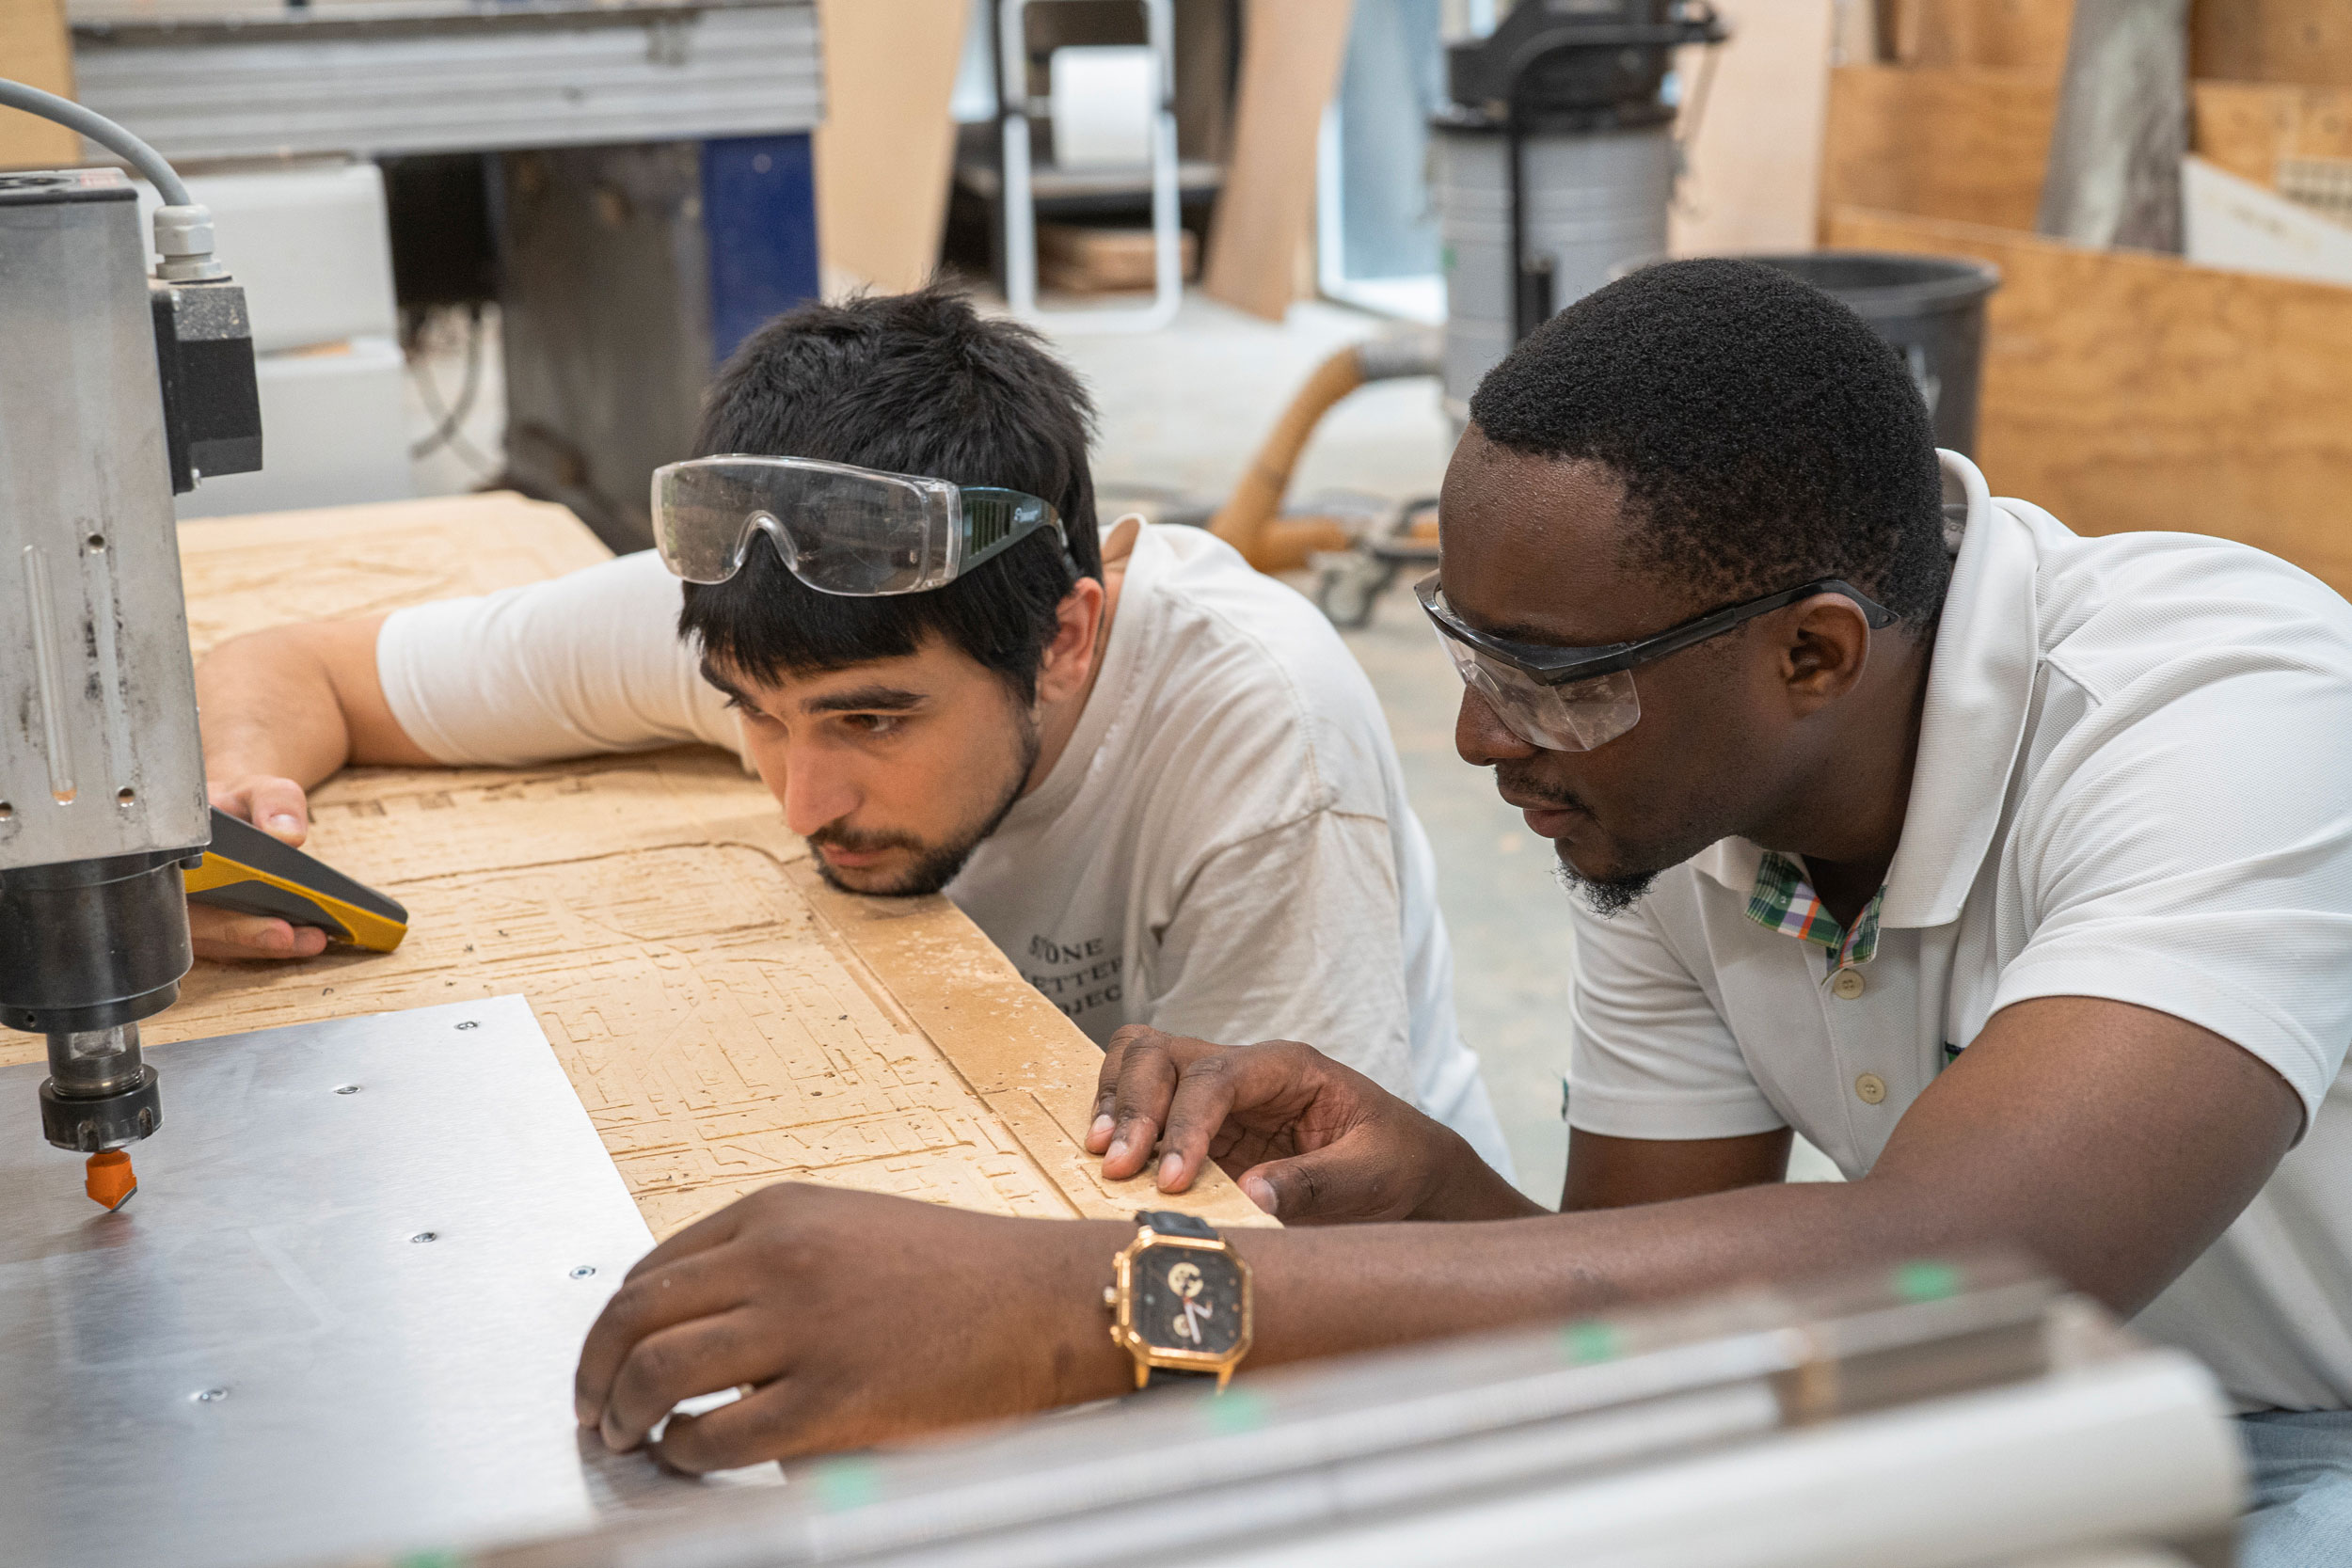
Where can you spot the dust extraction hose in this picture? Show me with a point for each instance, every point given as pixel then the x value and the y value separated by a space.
pixel 1250 519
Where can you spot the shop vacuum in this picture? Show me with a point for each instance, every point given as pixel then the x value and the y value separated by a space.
pixel 1553 163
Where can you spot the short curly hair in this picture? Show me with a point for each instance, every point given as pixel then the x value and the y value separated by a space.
pixel 1764 433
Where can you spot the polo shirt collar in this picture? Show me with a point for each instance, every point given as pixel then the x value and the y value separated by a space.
pixel 1979 688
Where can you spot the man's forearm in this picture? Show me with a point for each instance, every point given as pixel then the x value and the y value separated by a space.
pixel 1326 1292
pixel 1334 1290
pixel 269 707
pixel 300 702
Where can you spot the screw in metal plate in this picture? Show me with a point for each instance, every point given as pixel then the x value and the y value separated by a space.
pixel 209 1396
pixel 583 1271
pixel 469 1023
pixel 426 1236
pixel 346 1089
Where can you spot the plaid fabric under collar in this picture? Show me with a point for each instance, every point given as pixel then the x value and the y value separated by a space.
pixel 1783 901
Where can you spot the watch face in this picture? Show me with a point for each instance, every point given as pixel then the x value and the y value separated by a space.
pixel 1187 1298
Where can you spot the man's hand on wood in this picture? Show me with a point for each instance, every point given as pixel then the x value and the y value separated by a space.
pixel 1310 1141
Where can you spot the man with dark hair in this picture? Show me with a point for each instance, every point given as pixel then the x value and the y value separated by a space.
pixel 2010 867
pixel 1156 778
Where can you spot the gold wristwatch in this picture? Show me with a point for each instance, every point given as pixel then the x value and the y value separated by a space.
pixel 1180 1304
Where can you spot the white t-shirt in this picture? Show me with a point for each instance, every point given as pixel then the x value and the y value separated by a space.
pixel 1224 849
pixel 2135 782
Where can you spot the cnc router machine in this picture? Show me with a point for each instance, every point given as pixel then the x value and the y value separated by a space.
pixel 120 389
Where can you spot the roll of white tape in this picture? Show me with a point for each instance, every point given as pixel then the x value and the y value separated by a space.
pixel 1105 99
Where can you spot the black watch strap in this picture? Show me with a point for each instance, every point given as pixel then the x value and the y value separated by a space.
pixel 1167 1222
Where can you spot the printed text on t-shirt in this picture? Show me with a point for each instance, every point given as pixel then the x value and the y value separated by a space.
pixel 1082 975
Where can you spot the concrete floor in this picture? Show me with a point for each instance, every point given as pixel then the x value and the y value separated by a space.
pixel 1182 411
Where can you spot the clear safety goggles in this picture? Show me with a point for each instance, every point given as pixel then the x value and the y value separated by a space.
pixel 838 527
pixel 1575 699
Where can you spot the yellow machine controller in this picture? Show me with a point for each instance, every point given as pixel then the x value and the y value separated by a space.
pixel 251 872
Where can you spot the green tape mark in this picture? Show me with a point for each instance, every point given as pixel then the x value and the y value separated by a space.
pixel 435 1558
pixel 847 1484
pixel 1237 1410
pixel 1926 1280
pixel 1590 1341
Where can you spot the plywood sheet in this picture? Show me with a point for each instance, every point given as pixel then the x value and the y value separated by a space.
pixel 1753 170
pixel 719 1027
pixel 1966 145
pixel 1289 63
pixel 2125 390
pixel 886 150
pixel 2247 127
pixel 35 50
pixel 2272 41
pixel 2009 35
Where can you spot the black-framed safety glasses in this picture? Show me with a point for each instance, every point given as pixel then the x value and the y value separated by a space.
pixel 1575 699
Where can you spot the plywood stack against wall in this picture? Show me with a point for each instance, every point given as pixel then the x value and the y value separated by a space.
pixel 1964 143
pixel 2003 34
pixel 1750 147
pixel 2308 41
pixel 2122 389
pixel 2250 127
pixel 2128 391
pixel 727 1020
pixel 36 51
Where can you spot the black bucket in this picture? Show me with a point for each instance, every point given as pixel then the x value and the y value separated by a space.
pixel 1931 308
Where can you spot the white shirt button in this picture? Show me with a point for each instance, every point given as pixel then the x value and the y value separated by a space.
pixel 1849 984
pixel 1870 1088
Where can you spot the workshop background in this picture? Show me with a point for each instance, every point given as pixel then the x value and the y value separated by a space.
pixel 492 251
pixel 495 248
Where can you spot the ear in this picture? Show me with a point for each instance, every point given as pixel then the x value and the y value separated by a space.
pixel 1069 661
pixel 1828 644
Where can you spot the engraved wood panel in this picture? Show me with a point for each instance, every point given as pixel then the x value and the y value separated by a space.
pixel 689 969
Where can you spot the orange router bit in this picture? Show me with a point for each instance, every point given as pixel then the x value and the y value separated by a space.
pixel 111 1181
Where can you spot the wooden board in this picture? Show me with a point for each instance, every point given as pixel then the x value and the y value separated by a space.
pixel 727 1021
pixel 2006 34
pixel 2272 41
pixel 1966 145
pixel 2125 390
pixel 1092 257
pixel 36 51
pixel 2247 127
pixel 1753 179
pixel 338 562
pixel 1289 64
pixel 886 149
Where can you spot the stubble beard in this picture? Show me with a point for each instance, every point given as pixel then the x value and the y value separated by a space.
pixel 935 865
pixel 1606 896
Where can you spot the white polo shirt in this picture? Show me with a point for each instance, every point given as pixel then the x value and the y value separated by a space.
pixel 2135 782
